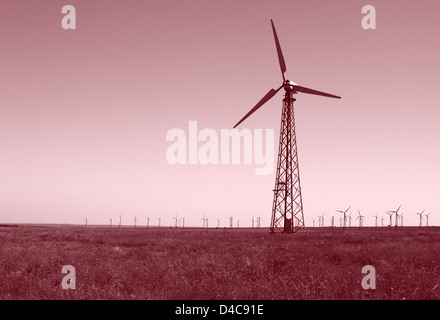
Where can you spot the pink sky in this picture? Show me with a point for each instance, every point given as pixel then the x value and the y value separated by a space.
pixel 84 113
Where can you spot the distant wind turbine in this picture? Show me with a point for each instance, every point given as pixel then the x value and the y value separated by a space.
pixel 391 217
pixel 397 215
pixel 375 216
pixel 421 217
pixel 345 215
pixel 427 219
pixel 361 218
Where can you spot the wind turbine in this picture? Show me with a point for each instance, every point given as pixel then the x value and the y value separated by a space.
pixel 159 222
pixel 375 216
pixel 134 219
pixel 111 221
pixel 175 218
pixel 231 221
pixel 287 208
pixel 391 217
pixel 401 219
pixel 258 221
pixel 204 220
pixel 427 219
pixel 313 222
pixel 86 220
pixel 321 220
pixel 120 220
pixel 421 217
pixel 345 215
pixel 360 217
pixel 382 218
pixel 148 222
pixel 397 215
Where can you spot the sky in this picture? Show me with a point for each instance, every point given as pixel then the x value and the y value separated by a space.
pixel 85 112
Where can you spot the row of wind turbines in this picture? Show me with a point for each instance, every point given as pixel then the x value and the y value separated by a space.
pixel 179 222
pixel 345 217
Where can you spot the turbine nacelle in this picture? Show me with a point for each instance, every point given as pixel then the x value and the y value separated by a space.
pixel 289 86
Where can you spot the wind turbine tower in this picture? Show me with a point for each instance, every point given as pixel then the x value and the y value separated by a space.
pixel 287 205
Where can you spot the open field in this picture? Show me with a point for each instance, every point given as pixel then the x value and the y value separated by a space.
pixel 171 263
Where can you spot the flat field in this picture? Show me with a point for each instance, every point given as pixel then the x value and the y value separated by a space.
pixel 184 263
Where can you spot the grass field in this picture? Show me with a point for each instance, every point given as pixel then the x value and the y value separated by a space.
pixel 171 263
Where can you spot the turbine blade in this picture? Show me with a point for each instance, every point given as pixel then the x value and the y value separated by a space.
pixel 280 53
pixel 315 92
pixel 266 98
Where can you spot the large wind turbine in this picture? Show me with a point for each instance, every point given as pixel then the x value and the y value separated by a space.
pixel 287 207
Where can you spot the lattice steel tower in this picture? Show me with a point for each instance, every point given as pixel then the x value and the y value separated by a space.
pixel 287 208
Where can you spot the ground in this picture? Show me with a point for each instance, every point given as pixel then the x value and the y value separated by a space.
pixel 185 263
